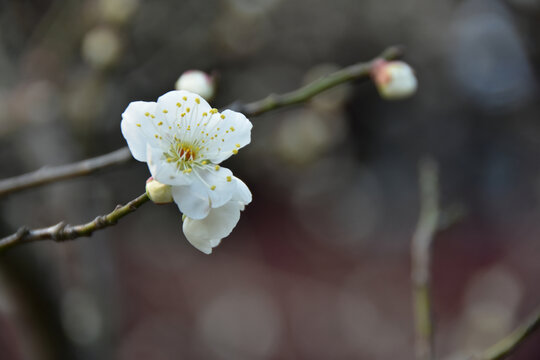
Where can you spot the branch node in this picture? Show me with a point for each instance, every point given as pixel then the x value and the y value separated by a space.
pixel 22 232
pixel 58 232
pixel 101 221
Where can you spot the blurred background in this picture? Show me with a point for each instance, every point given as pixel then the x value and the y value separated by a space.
pixel 318 267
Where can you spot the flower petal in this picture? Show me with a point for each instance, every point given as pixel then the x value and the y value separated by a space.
pixel 231 131
pixel 138 128
pixel 241 192
pixel 193 204
pixel 219 184
pixel 180 108
pixel 207 233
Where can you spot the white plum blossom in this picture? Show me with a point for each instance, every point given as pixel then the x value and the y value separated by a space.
pixel 184 140
pixel 395 80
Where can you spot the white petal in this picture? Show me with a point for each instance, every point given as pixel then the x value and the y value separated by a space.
pixel 209 188
pixel 230 134
pixel 219 185
pixel 241 193
pixel 207 233
pixel 163 171
pixel 191 203
pixel 138 128
pixel 215 242
pixel 180 108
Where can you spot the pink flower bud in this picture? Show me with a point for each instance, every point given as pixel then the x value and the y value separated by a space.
pixel 394 79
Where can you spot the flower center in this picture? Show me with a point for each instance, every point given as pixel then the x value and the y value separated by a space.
pixel 182 154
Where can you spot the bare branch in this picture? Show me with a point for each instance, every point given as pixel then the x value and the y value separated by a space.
pixel 353 72
pixel 62 231
pixel 52 174
pixel 421 258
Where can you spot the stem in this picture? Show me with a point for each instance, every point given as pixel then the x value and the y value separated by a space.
pixel 52 174
pixel 507 345
pixel 421 258
pixel 353 72
pixel 62 232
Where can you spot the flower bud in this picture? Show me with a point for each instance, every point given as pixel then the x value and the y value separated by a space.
pixel 394 79
pixel 197 82
pixel 157 192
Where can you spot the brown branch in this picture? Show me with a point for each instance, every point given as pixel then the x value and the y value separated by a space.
pixel 52 174
pixel 62 232
pixel 421 258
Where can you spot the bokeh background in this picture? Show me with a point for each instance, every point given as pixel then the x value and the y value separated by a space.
pixel 318 267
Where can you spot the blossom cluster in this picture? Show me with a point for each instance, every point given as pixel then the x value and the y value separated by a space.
pixel 183 140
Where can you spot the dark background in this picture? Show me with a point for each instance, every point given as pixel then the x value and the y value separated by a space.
pixel 318 266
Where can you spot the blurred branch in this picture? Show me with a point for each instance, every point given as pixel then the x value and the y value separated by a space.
pixel 353 72
pixel 506 346
pixel 52 174
pixel 421 258
pixel 62 232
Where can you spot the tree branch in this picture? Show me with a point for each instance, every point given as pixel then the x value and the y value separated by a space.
pixel 507 345
pixel 52 174
pixel 47 175
pixel 62 232
pixel 421 258
pixel 353 72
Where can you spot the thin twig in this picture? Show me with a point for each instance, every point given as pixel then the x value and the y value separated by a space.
pixel 506 346
pixel 52 174
pixel 421 258
pixel 353 72
pixel 62 232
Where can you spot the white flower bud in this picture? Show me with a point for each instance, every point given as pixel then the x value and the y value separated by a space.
pixel 394 79
pixel 198 82
pixel 157 192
